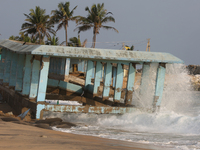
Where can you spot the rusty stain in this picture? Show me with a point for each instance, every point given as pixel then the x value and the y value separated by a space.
pixel 45 59
pixel 32 59
pixel 118 89
pixel 129 96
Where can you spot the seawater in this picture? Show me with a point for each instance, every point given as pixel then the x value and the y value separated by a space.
pixel 176 125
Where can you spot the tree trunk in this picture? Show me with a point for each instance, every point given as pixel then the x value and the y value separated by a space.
pixel 66 24
pixel 39 37
pixel 94 36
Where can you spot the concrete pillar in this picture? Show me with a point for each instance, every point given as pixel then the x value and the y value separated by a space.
pixel 88 86
pixel 119 83
pixel 160 79
pixel 107 80
pixel 97 78
pixel 130 83
pixel 35 77
pixel 67 66
pixel 42 86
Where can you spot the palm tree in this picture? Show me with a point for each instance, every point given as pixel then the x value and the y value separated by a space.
pixel 52 41
pixel 38 24
pixel 62 16
pixel 14 37
pixel 75 42
pixel 97 16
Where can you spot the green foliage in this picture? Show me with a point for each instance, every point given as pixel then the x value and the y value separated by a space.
pixel 75 42
pixel 24 38
pixel 62 16
pixel 37 25
pixel 97 16
pixel 52 41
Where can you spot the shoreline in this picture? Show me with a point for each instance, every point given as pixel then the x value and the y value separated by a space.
pixel 19 135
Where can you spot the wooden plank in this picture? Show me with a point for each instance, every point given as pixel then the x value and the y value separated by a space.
pixel 42 84
pixel 160 79
pixel 98 77
pixel 6 77
pixel 130 84
pixel 27 75
pixel 13 70
pixel 20 67
pixel 119 83
pixel 107 80
pixel 34 78
pixel 2 63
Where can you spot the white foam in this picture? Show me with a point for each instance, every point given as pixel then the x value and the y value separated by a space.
pixel 176 125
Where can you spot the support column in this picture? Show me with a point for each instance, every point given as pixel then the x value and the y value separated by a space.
pixel 20 67
pixel 27 75
pixel 107 80
pixel 7 67
pixel 130 84
pixel 67 66
pixel 42 86
pixel 88 86
pixel 119 83
pixel 98 77
pixel 160 79
pixel 35 77
pixel 13 70
pixel 2 62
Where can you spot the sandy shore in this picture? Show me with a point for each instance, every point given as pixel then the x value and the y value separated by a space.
pixel 21 135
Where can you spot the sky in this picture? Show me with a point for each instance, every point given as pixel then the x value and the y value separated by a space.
pixel 173 26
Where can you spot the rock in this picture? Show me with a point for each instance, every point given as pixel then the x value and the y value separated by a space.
pixel 193 69
pixel 43 125
pixel 55 123
pixel 44 136
pixel 8 119
pixel 195 81
pixel 1 113
pixel 65 125
pixel 9 113
pixel 49 120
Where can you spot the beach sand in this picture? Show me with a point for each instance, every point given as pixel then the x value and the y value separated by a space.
pixel 21 135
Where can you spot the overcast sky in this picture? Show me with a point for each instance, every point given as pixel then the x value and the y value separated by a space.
pixel 172 25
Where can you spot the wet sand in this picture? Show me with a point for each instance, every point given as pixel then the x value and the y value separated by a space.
pixel 20 135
